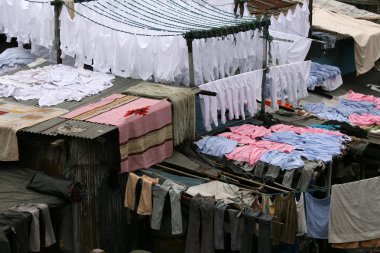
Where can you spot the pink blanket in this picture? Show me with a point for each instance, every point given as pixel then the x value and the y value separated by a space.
pixel 145 127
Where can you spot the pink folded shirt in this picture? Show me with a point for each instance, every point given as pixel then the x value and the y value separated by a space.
pixel 247 154
pixel 242 139
pixel 300 130
pixel 361 97
pixel 364 120
pixel 252 152
pixel 250 130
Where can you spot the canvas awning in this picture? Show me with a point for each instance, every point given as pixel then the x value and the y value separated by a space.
pixel 366 35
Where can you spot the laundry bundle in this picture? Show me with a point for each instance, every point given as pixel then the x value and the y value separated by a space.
pixel 325 76
pixel 13 58
pixel 57 186
pixel 54 84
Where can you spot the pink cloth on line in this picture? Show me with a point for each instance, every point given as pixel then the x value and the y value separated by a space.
pixel 250 130
pixel 300 130
pixel 364 120
pixel 247 154
pixel 362 97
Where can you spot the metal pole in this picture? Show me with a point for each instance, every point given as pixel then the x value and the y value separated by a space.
pixel 191 61
pixel 57 35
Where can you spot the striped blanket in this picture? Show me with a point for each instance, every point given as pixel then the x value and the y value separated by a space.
pixel 15 116
pixel 145 127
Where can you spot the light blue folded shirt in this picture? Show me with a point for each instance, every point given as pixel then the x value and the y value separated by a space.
pixel 216 145
pixel 286 161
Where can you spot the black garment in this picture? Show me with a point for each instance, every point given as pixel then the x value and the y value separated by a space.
pixel 247 237
pixel 240 4
pixel 20 224
pixel 57 186
pixel 218 226
pixel 4 243
pixel 235 230
pixel 348 129
pixel 201 215
pixel 264 237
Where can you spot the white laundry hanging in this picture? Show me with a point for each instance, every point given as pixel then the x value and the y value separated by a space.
pixel 289 82
pixel 296 23
pixel 28 22
pixel 237 94
pixel 293 49
pixel 216 58
pixel 156 57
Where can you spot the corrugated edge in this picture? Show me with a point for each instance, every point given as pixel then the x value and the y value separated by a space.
pixel 80 129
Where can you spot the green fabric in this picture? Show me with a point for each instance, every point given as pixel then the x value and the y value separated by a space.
pixel 183 101
pixel 4 243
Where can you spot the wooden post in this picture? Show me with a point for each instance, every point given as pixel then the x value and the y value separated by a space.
pixel 310 17
pixel 264 79
pixel 57 35
pixel 329 178
pixel 191 61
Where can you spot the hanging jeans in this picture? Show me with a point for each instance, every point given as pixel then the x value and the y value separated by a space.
pixel 159 196
pixel 220 208
pixel 201 215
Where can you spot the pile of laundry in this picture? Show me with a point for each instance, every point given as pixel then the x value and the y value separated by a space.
pixel 325 76
pixel 13 58
pixel 54 84
pixel 284 146
pixel 354 108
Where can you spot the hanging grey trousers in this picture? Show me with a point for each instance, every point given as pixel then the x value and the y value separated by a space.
pixel 34 237
pixel 159 195
pixel 201 224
